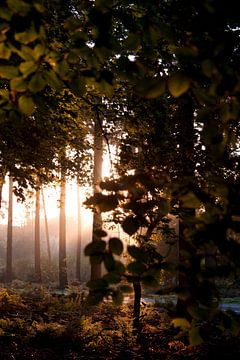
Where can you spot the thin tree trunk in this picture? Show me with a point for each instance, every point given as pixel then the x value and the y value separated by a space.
pixel 2 178
pixel 46 229
pixel 137 304
pixel 185 116
pixel 79 236
pixel 37 250
pixel 62 236
pixel 96 269
pixel 9 274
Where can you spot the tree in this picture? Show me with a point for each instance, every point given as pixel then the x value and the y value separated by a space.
pixel 9 258
pixel 37 244
pixel 62 235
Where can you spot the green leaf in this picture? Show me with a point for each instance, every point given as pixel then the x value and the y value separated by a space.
pixel 136 267
pixel 8 71
pixel 26 37
pixel 119 267
pixel 138 253
pixel 109 261
pixel 28 67
pixel 38 51
pixel 130 225
pixel 95 247
pixel 5 52
pixel 94 299
pixel 151 88
pixel 178 84
pixel 26 105
pixel 37 83
pixel 195 337
pixel 116 246
pixel 18 84
pixel 97 284
pixel 150 281
pixel 78 86
pixel 190 200
pixel 182 323
pixel 117 297
pixel 19 6
pixel 112 278
pixel 100 233
pixel 53 80
pixel 126 288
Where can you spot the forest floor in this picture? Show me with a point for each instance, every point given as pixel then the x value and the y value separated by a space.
pixel 37 325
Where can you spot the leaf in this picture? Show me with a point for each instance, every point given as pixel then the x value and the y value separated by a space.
pixel 95 247
pixel 97 284
pixel 195 337
pixel 5 52
pixel 116 246
pixel 178 84
pixel 119 267
pixel 37 83
pixel 8 71
pixel 27 36
pixel 112 278
pixel 126 288
pixel 136 267
pixel 100 233
pixel 78 86
pixel 26 105
pixel 38 51
pixel 117 297
pixel 137 253
pixel 53 80
pixel 109 261
pixel 190 200
pixel 130 225
pixel 182 323
pixel 94 299
pixel 18 84
pixel 151 88
pixel 28 67
pixel 150 281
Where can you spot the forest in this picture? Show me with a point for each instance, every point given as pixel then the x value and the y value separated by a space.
pixel 119 179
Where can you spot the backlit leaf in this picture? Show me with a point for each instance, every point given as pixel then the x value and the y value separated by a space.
pixel 178 84
pixel 5 52
pixel 151 88
pixel 97 246
pixel 18 84
pixel 130 225
pixel 182 323
pixel 37 83
pixel 8 71
pixel 116 246
pixel 195 337
pixel 28 67
pixel 97 284
pixel 26 105
pixel 136 267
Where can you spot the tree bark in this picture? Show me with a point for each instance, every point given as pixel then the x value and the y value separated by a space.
pixel 9 273
pixel 46 229
pixel 137 304
pixel 62 236
pixel 186 140
pixel 37 247
pixel 96 269
pixel 79 235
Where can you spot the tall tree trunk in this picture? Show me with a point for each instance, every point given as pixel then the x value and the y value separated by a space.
pixel 96 269
pixel 185 118
pixel 62 236
pixel 2 178
pixel 9 274
pixel 46 229
pixel 79 235
pixel 37 248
